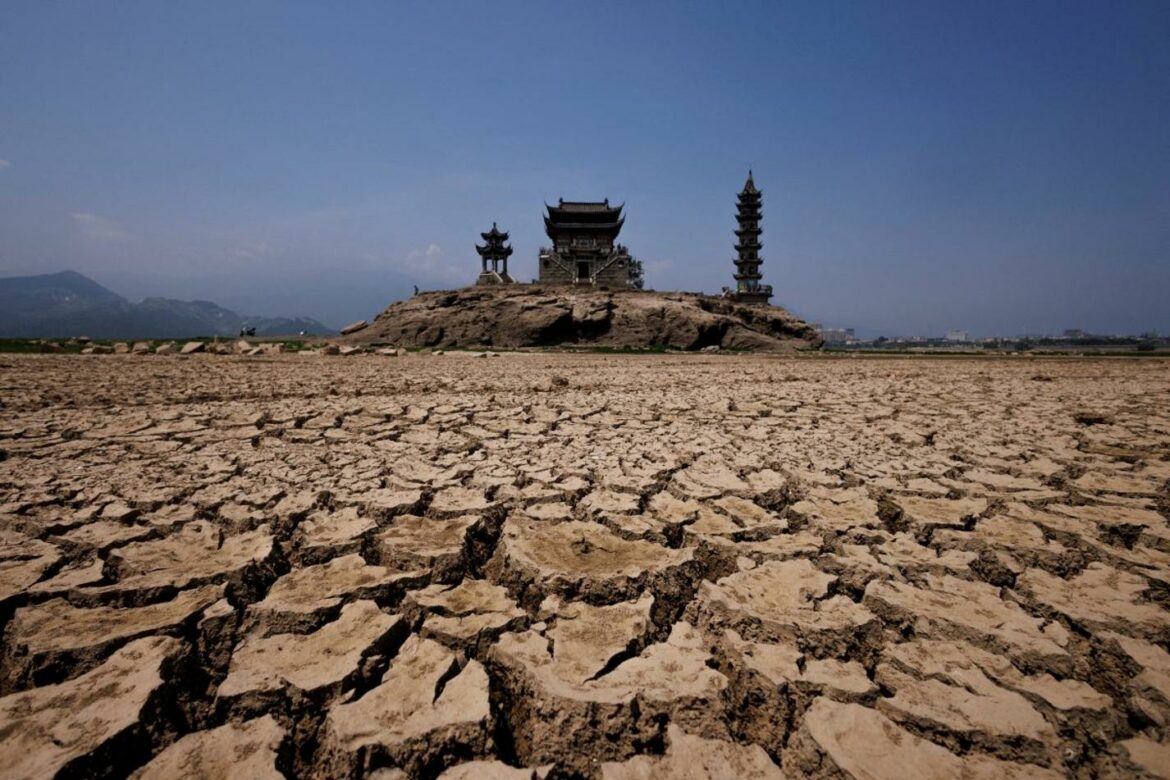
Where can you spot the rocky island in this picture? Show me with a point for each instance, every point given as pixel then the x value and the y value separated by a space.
pixel 539 315
pixel 589 292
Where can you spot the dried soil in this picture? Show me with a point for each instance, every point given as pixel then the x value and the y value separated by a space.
pixel 701 566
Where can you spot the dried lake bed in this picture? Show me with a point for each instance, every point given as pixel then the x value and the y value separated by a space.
pixel 553 565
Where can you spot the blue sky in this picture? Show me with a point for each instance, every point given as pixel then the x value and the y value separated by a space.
pixel 997 166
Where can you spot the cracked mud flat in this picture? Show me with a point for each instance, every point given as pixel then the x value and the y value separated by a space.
pixel 584 566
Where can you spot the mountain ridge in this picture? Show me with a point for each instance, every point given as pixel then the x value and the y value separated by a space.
pixel 67 304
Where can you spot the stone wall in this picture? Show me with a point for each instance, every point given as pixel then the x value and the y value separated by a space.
pixel 558 270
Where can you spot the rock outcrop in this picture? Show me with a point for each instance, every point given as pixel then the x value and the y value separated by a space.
pixel 540 316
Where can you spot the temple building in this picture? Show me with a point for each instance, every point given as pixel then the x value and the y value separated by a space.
pixel 747 264
pixel 493 253
pixel 583 249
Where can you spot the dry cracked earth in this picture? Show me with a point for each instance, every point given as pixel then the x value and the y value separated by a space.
pixel 584 566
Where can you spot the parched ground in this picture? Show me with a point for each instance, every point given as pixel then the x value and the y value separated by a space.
pixel 599 566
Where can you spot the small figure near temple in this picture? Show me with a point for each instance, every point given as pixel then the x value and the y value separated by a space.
pixel 747 265
pixel 583 250
pixel 493 253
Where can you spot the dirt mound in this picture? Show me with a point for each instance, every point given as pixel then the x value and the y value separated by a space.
pixel 535 316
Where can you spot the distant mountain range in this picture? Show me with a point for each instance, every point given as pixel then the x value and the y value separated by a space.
pixel 68 304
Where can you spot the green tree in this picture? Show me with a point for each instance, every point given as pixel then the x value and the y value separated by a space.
pixel 637 274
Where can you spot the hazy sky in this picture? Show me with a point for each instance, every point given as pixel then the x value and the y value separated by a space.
pixel 995 166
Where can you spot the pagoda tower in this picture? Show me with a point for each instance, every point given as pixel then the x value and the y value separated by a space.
pixel 747 264
pixel 494 253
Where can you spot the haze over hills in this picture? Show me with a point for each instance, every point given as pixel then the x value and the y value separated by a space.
pixel 332 292
pixel 69 304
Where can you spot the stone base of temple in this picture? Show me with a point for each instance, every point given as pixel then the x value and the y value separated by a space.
pixel 751 297
pixel 492 277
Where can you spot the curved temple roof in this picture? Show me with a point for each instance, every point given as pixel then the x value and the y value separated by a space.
pixel 584 211
pixel 584 216
pixel 494 244
pixel 495 234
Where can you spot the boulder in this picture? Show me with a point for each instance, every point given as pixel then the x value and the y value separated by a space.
pixel 354 327
pixel 191 347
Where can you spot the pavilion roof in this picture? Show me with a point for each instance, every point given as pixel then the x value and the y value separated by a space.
pixel 495 234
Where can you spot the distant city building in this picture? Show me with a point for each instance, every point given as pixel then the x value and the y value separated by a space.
pixel 1074 333
pixel 956 335
pixel 495 254
pixel 747 263
pixel 583 249
pixel 836 335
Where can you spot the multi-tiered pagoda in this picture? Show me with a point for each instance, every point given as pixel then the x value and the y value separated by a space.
pixel 583 250
pixel 747 264
pixel 494 253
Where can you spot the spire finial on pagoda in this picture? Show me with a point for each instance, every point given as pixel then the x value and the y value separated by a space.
pixel 750 184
